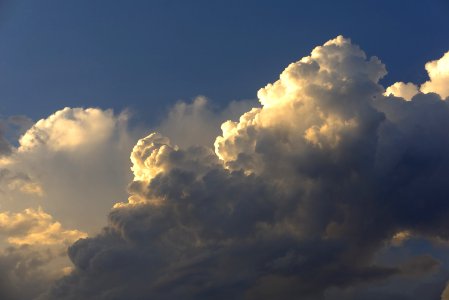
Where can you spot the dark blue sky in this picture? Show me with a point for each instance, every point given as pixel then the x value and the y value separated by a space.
pixel 146 55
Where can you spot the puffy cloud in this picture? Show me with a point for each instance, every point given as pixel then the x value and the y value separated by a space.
pixel 32 227
pixel 53 166
pixel 299 198
pixel 198 123
pixel 69 129
pixel 438 71
pixel 403 90
pixel 59 157
pixel 35 253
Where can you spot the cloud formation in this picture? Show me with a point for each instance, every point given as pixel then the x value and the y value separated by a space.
pixel 34 253
pixel 58 159
pixel 198 123
pixel 32 227
pixel 47 176
pixel 438 71
pixel 297 199
pixel 402 90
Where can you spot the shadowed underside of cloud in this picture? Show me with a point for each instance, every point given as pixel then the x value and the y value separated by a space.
pixel 296 199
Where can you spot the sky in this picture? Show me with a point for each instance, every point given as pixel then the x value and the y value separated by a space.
pixel 224 150
pixel 146 55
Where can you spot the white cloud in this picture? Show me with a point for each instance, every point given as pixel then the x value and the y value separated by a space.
pixel 403 90
pixel 438 71
pixel 73 163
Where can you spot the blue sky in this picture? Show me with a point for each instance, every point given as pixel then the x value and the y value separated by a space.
pixel 146 55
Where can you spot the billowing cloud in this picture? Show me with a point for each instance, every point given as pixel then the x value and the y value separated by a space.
pixel 298 198
pixel 198 123
pixel 402 90
pixel 72 160
pixel 438 71
pixel 33 254
pixel 69 129
pixel 46 177
pixel 32 227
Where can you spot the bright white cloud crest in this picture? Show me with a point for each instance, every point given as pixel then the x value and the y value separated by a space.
pixel 402 90
pixel 70 129
pixel 438 71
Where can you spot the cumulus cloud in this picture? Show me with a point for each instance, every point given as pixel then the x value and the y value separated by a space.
pixel 59 157
pixel 34 253
pixel 32 227
pixel 402 90
pixel 198 123
pixel 69 128
pixel 47 175
pixel 438 71
pixel 297 198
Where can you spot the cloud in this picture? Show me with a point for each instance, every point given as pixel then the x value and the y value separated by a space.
pixel 438 71
pixel 26 271
pixel 5 147
pixel 46 176
pixel 34 254
pixel 297 198
pixel 198 123
pixel 10 129
pixel 59 157
pixel 32 227
pixel 402 90
pixel 69 129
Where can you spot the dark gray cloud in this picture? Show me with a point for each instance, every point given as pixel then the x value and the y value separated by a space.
pixel 298 198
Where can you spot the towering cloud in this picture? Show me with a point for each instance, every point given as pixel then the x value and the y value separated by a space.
pixel 296 201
